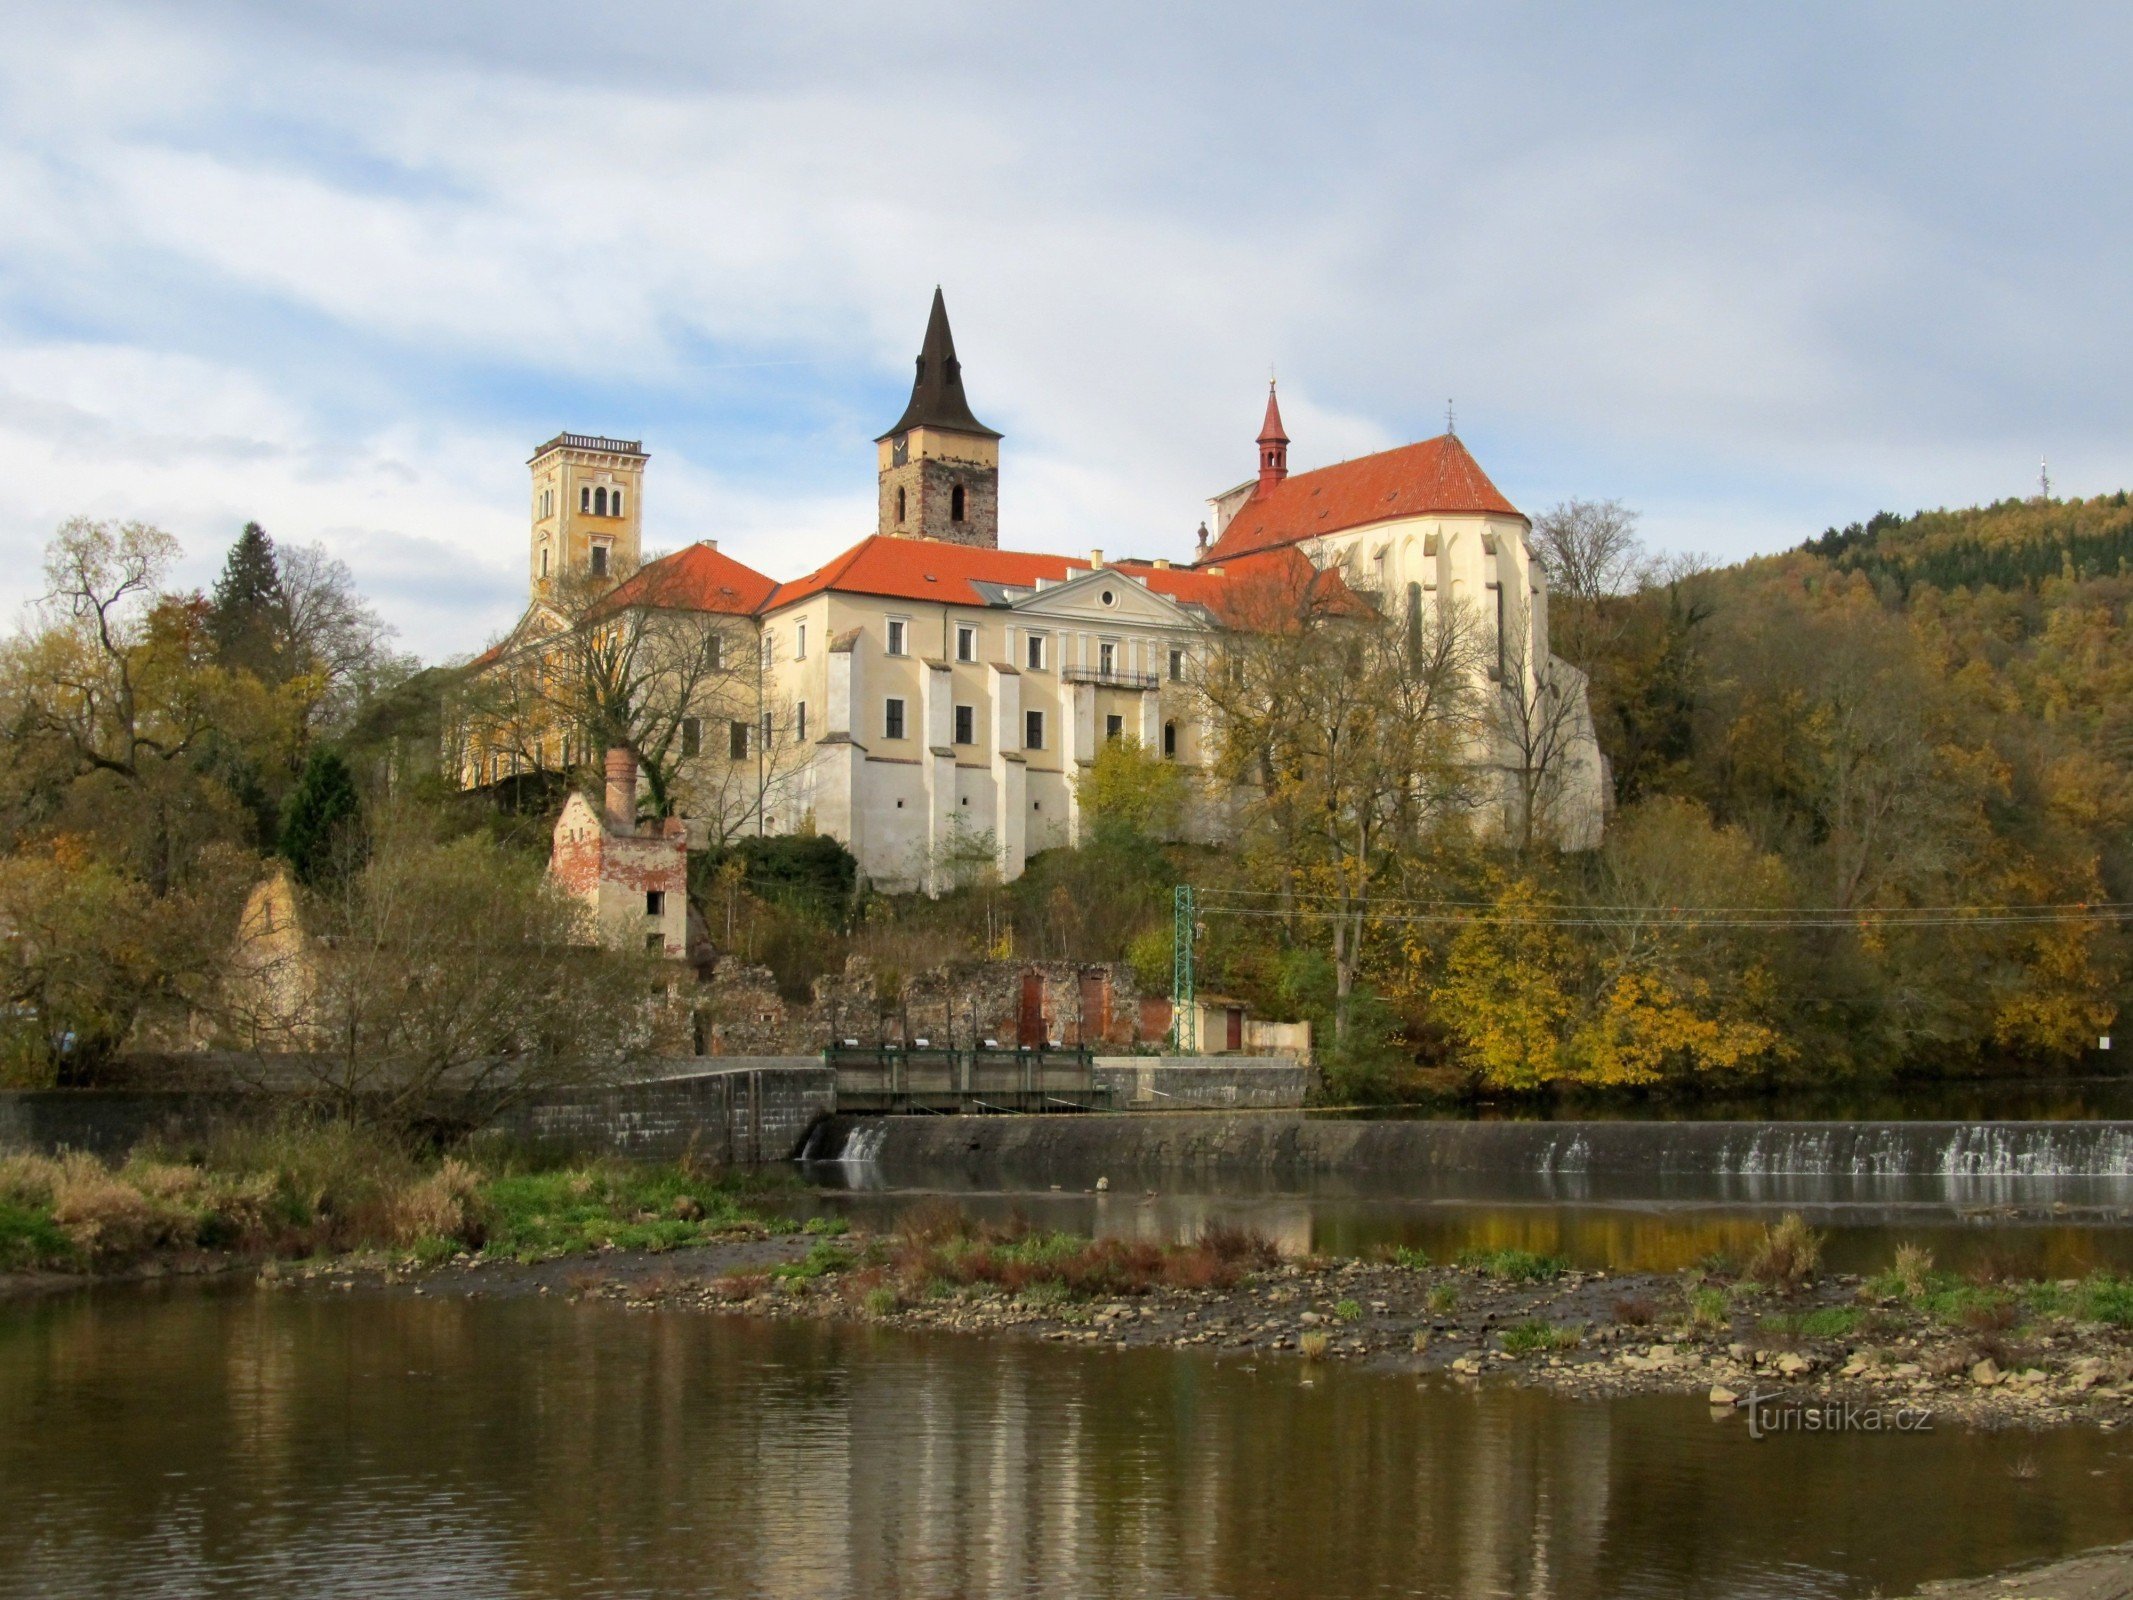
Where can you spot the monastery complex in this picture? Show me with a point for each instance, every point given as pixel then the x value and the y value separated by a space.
pixel 927 696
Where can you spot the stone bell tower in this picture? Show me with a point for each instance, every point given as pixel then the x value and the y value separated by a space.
pixel 588 512
pixel 939 465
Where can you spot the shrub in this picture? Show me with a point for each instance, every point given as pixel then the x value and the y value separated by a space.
pixel 1709 1310
pixel 881 1301
pixel 1914 1266
pixel 1514 1266
pixel 1313 1346
pixel 30 1238
pixel 444 1205
pixel 1536 1334
pixel 1243 1246
pixel 1635 1311
pixel 1348 1310
pixel 1788 1255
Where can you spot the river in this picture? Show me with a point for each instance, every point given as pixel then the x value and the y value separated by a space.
pixel 194 1441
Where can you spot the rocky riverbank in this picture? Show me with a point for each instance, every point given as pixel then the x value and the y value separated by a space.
pixel 1994 1354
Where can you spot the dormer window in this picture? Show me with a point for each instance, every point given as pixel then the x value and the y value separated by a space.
pixel 955 504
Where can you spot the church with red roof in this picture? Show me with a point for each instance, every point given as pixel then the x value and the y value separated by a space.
pixel 930 698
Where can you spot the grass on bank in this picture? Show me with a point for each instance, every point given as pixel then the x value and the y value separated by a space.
pixel 320 1189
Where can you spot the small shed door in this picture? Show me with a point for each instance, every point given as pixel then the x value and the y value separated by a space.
pixel 1236 1028
pixel 1029 1021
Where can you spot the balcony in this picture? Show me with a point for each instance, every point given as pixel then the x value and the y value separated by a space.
pixel 1112 679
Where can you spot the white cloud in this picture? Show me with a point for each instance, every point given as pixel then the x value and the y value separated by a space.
pixel 336 270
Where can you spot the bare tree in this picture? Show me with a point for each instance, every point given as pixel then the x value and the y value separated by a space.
pixel 1592 555
pixel 444 982
pixel 330 632
pixel 1349 735
pixel 639 667
pixel 1541 728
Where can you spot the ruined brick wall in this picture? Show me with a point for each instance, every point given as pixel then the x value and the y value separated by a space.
pixel 741 1012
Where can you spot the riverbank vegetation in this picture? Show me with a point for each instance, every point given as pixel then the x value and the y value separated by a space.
pixel 306 1190
pixel 1834 772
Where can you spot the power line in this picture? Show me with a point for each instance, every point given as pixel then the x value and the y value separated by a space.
pixel 1315 907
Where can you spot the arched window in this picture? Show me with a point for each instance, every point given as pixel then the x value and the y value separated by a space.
pixel 544 561
pixel 1170 741
pixel 955 504
pixel 585 498
pixel 899 508
pixel 599 502
pixel 616 502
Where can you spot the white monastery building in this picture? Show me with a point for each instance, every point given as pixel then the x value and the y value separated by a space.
pixel 929 698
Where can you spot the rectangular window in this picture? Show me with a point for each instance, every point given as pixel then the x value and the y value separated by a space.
pixel 737 741
pixel 1107 658
pixel 1114 727
pixel 966 643
pixel 655 902
pixel 1033 730
pixel 1177 666
pixel 799 720
pixel 599 560
pixel 799 641
pixel 1036 652
pixel 768 735
pixel 892 718
pixel 770 650
pixel 692 735
pixel 966 725
pixel 898 629
pixel 717 649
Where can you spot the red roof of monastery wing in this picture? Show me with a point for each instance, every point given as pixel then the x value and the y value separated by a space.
pixel 925 569
pixel 1416 479
pixel 697 578
pixel 1250 589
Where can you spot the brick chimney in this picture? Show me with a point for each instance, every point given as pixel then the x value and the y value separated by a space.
pixel 621 790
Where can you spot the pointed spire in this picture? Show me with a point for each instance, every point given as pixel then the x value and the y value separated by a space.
pixel 1273 444
pixel 937 399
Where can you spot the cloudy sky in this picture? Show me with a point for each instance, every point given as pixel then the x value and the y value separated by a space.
pixel 338 267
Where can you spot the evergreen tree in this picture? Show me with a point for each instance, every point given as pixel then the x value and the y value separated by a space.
pixel 319 824
pixel 250 610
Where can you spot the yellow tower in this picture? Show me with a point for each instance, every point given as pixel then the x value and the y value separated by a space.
pixel 588 511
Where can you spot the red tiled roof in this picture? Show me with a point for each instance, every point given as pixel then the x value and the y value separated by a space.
pixel 1249 587
pixel 925 569
pixel 697 578
pixel 1436 475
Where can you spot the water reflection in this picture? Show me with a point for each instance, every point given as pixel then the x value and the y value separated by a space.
pixel 192 1444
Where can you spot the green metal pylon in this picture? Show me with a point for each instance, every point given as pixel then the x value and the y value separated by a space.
pixel 1184 1015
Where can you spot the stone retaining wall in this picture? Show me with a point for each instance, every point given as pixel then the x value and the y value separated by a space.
pixel 738 1112
pixel 1183 1083
pixel 741 1114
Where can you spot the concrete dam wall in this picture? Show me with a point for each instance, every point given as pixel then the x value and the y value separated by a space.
pixel 1562 1159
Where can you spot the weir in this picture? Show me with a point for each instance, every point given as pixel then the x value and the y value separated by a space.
pixel 1953 1162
